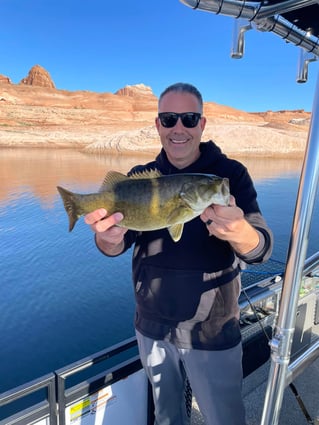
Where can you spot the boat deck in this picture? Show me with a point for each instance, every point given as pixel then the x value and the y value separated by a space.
pixel 254 389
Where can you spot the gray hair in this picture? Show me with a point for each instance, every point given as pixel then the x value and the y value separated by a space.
pixel 183 88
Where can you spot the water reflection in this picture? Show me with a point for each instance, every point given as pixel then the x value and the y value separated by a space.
pixel 39 171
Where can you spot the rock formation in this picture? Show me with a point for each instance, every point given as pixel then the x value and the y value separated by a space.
pixel 38 76
pixel 35 113
pixel 4 79
pixel 136 90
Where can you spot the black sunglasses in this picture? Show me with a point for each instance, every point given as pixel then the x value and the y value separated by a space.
pixel 189 119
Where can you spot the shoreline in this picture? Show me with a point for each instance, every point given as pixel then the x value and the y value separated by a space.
pixel 234 139
pixel 129 152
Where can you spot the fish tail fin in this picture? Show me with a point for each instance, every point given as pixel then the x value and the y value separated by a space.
pixel 69 202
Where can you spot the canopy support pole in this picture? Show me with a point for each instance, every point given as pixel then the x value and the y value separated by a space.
pixel 282 340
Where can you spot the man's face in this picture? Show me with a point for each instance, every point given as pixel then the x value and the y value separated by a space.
pixel 180 143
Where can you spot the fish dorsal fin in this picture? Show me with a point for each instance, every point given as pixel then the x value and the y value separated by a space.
pixel 114 177
pixel 146 174
pixel 176 231
pixel 111 179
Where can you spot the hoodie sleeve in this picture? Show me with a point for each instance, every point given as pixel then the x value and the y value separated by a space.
pixel 263 250
pixel 242 188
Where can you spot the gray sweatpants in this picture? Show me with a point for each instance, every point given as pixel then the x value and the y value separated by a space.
pixel 215 378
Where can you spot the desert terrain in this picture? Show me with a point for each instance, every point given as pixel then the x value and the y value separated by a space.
pixel 34 113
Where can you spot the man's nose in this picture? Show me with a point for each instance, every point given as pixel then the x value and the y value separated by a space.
pixel 179 124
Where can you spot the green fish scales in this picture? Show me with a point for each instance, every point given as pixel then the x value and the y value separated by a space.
pixel 149 200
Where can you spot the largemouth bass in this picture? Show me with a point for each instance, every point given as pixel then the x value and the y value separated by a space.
pixel 150 200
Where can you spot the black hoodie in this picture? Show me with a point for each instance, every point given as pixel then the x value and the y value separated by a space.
pixel 187 292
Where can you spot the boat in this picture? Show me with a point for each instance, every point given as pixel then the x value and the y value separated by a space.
pixel 279 308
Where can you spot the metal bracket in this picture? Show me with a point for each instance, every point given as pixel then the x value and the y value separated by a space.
pixel 280 346
pixel 304 59
pixel 240 27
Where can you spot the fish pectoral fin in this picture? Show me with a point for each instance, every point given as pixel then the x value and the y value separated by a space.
pixel 180 215
pixel 176 231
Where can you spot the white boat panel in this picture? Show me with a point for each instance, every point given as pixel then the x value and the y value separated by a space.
pixel 124 402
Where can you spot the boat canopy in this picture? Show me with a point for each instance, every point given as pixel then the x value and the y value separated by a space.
pixel 295 21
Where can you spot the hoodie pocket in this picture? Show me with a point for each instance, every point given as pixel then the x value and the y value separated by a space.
pixel 175 295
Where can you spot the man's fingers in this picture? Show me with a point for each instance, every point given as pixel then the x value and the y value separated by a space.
pixel 108 222
pixel 232 201
pixel 100 222
pixel 95 216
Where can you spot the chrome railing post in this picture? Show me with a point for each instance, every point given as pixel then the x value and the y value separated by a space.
pixel 281 342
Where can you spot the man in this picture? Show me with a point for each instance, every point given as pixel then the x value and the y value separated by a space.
pixel 187 292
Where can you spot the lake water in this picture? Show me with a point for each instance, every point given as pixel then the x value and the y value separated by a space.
pixel 60 299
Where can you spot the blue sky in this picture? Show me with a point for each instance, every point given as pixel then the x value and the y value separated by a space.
pixel 104 45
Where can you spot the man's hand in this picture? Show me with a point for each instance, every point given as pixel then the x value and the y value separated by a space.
pixel 229 224
pixel 109 236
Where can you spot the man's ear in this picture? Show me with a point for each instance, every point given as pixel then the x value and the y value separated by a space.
pixel 157 123
pixel 203 123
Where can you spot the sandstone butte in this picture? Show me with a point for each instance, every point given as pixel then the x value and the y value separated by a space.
pixel 34 113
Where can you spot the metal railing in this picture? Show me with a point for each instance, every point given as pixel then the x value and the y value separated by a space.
pixel 61 393
pixel 37 410
pixel 98 381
